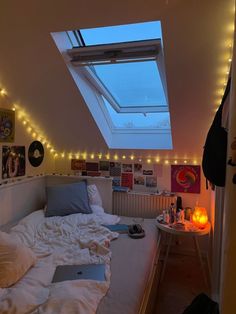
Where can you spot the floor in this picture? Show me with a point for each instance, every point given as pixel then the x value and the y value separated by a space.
pixel 181 283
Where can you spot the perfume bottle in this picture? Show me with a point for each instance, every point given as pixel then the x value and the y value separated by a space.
pixel 172 213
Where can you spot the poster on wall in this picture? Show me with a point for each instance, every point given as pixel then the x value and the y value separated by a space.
pixel 116 181
pixel 151 182
pixel 115 169
pixel 13 161
pixel 158 170
pixel 7 125
pixel 127 180
pixel 138 168
pixel 185 178
pixel 127 168
pixel 78 164
pixel 92 166
pixel 104 165
pixel 139 180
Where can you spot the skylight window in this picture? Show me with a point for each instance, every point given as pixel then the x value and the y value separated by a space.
pixel 124 69
pixel 121 33
pixel 134 84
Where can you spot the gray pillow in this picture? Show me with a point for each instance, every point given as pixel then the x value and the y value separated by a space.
pixel 67 199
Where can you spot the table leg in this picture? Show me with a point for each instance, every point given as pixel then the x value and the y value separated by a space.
pixel 166 255
pixel 200 259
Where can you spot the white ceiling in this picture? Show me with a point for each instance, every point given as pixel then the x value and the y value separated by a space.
pixel 195 34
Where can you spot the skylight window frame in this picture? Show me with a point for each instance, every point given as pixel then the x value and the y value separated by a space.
pixel 84 58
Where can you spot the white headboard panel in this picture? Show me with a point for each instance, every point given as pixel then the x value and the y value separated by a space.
pixel 21 197
pixel 104 186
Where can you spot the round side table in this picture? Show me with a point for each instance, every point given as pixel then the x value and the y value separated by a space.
pixel 189 230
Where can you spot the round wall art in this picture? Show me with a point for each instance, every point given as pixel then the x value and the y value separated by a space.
pixel 35 153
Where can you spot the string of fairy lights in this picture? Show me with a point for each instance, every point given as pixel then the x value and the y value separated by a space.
pixel 222 78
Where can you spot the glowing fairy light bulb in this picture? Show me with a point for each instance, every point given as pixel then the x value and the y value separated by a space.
pixel 3 92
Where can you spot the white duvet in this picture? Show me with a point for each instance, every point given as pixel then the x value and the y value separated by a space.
pixel 73 239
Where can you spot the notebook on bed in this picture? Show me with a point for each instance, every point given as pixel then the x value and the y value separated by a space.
pixel 120 228
pixel 74 272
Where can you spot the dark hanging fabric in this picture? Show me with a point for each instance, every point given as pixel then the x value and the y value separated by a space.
pixel 215 148
pixel 202 304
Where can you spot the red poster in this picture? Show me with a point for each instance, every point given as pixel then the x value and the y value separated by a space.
pixel 127 179
pixel 185 178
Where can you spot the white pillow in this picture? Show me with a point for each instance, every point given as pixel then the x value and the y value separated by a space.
pixel 94 195
pixel 15 260
pixel 97 209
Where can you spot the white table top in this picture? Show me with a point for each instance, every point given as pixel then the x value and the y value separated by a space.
pixel 189 229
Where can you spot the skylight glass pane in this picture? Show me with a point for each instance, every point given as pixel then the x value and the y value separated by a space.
pixel 121 33
pixel 135 84
pixel 160 120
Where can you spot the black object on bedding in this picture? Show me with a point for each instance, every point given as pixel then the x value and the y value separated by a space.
pixel 67 199
pixel 136 231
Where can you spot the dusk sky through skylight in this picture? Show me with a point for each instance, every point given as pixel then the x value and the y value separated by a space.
pixel 134 84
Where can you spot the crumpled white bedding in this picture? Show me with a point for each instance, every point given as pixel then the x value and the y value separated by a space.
pixel 73 239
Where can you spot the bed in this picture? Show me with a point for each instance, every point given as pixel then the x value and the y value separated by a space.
pixel 131 264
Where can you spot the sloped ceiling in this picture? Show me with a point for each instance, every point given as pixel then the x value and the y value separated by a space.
pixel 195 36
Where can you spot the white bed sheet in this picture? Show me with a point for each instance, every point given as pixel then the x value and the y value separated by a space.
pixel 73 239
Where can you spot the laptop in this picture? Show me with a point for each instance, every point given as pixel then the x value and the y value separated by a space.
pixel 74 272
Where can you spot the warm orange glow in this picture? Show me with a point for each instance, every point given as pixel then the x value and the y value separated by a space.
pixel 200 217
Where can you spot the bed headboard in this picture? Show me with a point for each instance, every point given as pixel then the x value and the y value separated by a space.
pixel 23 196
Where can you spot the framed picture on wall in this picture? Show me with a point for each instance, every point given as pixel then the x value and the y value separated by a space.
pixel 151 182
pixel 13 161
pixel 185 178
pixel 7 125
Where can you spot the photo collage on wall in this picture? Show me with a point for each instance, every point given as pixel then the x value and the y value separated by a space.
pixel 127 175
pixel 14 156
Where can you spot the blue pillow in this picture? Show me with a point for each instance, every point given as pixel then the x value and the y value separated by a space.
pixel 67 199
